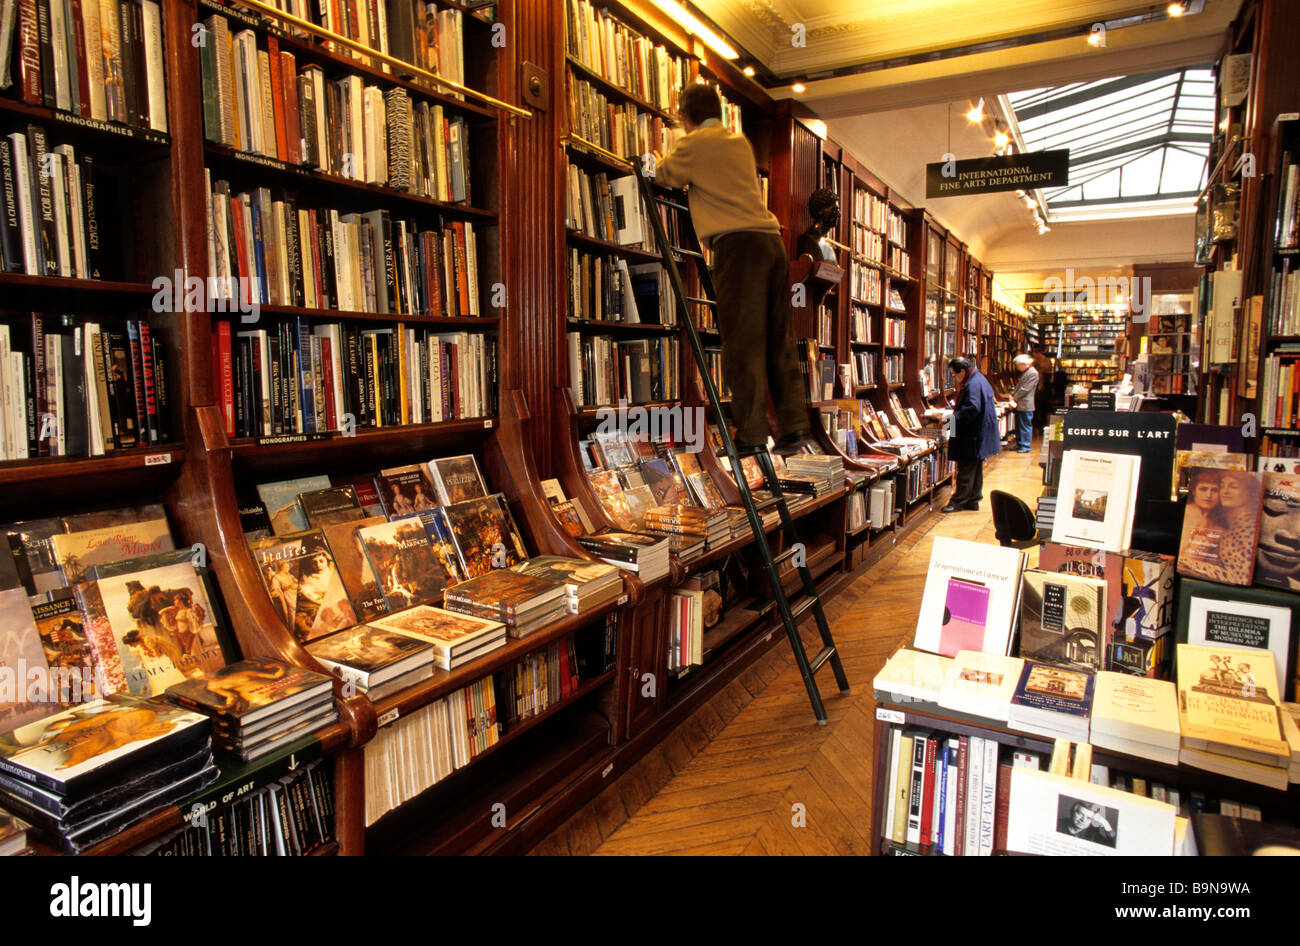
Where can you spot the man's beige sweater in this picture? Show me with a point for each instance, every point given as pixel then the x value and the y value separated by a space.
pixel 719 167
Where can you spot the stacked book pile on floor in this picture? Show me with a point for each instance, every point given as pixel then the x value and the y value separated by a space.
pixel 523 603
pixel 258 705
pixel 588 584
pixel 424 747
pixel 81 775
pixel 646 555
pixel 291 817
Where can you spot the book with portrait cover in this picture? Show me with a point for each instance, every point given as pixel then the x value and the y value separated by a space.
pixel 1220 534
pixel 405 490
pixel 249 690
pixel 566 513
pixel 368 656
pixel 354 568
pixel 281 502
pixel 325 506
pixel 68 652
pixel 1062 618
pixel 73 751
pixel 455 637
pixel 161 621
pixel 444 545
pixel 1227 704
pixel 457 479
pixel 1277 562
pixel 303 582
pixel 609 490
pixel 77 551
pixel 22 661
pixel 484 533
pixel 1212 459
pixel 504 595
pixel 403 561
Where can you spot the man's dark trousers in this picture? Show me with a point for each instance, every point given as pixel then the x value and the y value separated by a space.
pixel 970 483
pixel 752 277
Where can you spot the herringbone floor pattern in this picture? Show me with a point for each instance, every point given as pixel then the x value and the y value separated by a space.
pixel 730 779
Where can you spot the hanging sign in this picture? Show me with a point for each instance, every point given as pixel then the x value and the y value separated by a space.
pixel 1008 172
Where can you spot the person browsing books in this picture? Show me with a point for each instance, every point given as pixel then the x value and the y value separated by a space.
pixel 976 436
pixel 750 271
pixel 1025 391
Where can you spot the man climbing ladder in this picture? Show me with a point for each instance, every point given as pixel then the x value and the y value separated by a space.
pixel 753 260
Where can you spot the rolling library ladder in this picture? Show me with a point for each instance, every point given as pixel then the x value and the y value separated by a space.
pixel 789 616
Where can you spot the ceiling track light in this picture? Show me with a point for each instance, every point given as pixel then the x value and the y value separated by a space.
pixel 976 114
pixel 691 23
pixel 1177 8
pixel 799 88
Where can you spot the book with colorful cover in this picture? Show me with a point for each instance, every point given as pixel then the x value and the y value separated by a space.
pixel 503 594
pixel 124 515
pixel 405 490
pixel 1277 562
pixel 367 655
pixel 484 534
pixel 452 634
pixel 665 483
pixel 72 751
pixel 161 621
pixel 1062 618
pixel 1228 703
pixel 609 490
pixel 281 501
pixel 574 573
pixel 304 585
pixel 77 551
pixel 367 495
pixel 706 491
pixel 567 515
pixel 444 545
pixel 457 479
pixel 618 453
pixel 1055 689
pixel 325 506
pixel 403 561
pixel 69 656
pixel 1187 460
pixel 249 690
pixel 22 662
pixel 1221 524
pixel 354 568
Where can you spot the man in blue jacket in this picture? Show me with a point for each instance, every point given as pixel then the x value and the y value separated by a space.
pixel 976 436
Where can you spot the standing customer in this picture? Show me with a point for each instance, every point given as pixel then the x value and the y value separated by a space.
pixel 976 417
pixel 750 271
pixel 1026 389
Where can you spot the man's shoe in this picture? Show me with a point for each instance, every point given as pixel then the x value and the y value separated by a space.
pixel 749 449
pixel 972 507
pixel 951 508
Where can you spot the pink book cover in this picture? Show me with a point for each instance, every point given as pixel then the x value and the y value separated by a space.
pixel 965 612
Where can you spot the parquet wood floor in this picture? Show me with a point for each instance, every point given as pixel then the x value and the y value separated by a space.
pixel 751 772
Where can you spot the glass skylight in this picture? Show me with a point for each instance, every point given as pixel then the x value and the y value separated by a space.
pixel 1135 141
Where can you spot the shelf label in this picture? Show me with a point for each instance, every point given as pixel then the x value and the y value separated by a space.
pixel 389 717
pixel 158 459
pixel 275 440
pixel 622 599
pixel 487 424
pixel 607 770
pixel 890 716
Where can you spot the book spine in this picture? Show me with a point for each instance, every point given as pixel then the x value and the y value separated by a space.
pixel 974 777
pixel 11 237
pixel 29 53
pixel 988 797
pixel 147 363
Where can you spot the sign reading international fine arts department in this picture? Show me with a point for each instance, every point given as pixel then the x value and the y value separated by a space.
pixel 998 173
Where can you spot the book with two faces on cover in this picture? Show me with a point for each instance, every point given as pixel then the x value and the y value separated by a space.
pixel 1221 525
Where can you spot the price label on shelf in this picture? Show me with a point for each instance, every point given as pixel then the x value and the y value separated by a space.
pixel 487 424
pixel 890 716
pixel 158 459
pixel 622 599
pixel 389 717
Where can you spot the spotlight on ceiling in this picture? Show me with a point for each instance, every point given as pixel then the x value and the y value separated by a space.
pixel 1177 8
pixel 1001 139
pixel 799 88
pixel 976 114
pixel 749 71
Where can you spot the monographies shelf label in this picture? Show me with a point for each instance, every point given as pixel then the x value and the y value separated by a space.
pixel 989 175
pixel 280 439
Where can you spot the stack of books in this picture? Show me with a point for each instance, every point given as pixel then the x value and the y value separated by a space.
pixel 523 603
pixel 13 836
pixel 1137 716
pixel 257 705
pixel 373 660
pixel 687 548
pixel 456 638
pixel 1230 720
pixel 588 584
pixel 1052 701
pixel 1046 516
pixel 647 555
pixel 85 774
pixel 826 469
pixel 712 525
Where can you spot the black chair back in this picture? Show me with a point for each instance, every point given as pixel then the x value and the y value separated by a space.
pixel 1013 520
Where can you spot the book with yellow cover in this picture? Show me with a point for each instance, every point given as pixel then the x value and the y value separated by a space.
pixel 1226 703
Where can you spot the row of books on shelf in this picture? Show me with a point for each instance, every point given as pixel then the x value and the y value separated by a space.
pixel 607 208
pixel 102 59
pixel 1288 218
pixel 861 368
pixel 900 262
pixel 77 388
pixel 610 289
pixel 258 101
pixel 50 225
pixel 893 368
pixel 618 127
pixel 864 284
pixel 307 377
pixel 622 56
pixel 870 246
pixel 869 210
pixel 860 327
pixel 897 231
pixel 293 816
pixel 895 331
pixel 265 248
pixel 604 370
pixel 1284 301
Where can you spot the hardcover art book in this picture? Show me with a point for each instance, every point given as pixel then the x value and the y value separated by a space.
pixel 609 490
pixel 1227 703
pixel 367 655
pixel 77 551
pixel 250 689
pixel 325 506
pixel 1221 525
pixel 354 568
pixel 1062 618
pixel 1277 562
pixel 403 561
pixel 504 594
pixel 457 479
pixel 303 581
pixel 484 533
pixel 665 484
pixel 1098 493
pixel 1250 618
pixel 35 555
pixel 22 662
pixel 405 491
pixel 281 502
pixel 455 637
pixel 970 598
pixel 68 653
